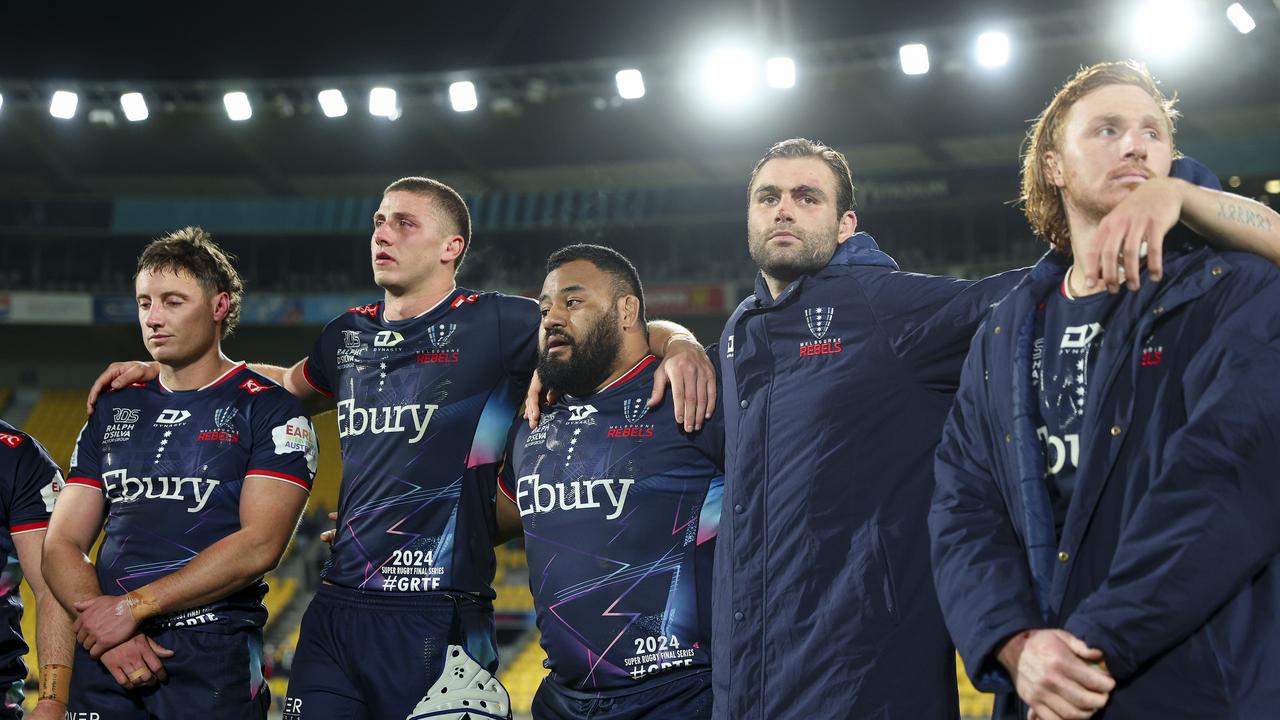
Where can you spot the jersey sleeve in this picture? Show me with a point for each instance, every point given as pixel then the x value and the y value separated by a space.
pixel 519 320
pixel 284 442
pixel 86 466
pixel 711 438
pixel 36 481
pixel 507 473
pixel 317 369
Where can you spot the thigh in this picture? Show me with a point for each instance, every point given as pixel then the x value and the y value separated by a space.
pixel 400 655
pixel 95 693
pixel 550 704
pixel 221 674
pixel 321 686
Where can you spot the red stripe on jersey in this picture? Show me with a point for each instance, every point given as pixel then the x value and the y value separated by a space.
pixel 506 491
pixel 27 527
pixel 634 371
pixel 79 480
pixel 280 476
pixel 307 376
pixel 229 374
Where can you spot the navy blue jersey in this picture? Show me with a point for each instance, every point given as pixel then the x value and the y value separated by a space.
pixel 28 480
pixel 1068 334
pixel 424 405
pixel 620 510
pixel 171 465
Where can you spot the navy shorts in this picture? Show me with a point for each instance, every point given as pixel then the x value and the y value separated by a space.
pixel 213 675
pixel 372 655
pixel 687 697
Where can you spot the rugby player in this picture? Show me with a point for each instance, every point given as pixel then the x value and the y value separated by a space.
pixel 1104 535
pixel 426 382
pixel 200 476
pixel 29 481
pixel 838 373
pixel 618 510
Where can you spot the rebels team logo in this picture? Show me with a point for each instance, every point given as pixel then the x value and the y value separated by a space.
pixel 819 321
pixel 440 334
pixel 635 408
pixel 223 419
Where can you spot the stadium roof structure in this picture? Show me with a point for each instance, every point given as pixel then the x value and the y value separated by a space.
pixel 549 114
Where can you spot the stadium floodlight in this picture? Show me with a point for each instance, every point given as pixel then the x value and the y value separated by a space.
pixel 1241 18
pixel 462 96
pixel 63 104
pixel 1272 186
pixel 630 84
pixel 993 49
pixel 780 72
pixel 1 100
pixel 382 103
pixel 134 106
pixel 237 105
pixel 914 59
pixel 729 76
pixel 1163 28
pixel 332 104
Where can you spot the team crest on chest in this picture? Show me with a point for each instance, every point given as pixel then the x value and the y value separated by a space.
pixel 819 321
pixel 635 408
pixel 441 333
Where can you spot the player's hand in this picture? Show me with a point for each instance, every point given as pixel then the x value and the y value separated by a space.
pixel 1144 216
pixel 137 662
pixel 118 375
pixel 1057 674
pixel 48 709
pixel 536 398
pixel 331 533
pixel 105 622
pixel 693 383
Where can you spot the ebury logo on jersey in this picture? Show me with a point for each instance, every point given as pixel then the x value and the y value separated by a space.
pixel 173 417
pixel 354 420
pixel 119 487
pixel 387 338
pixel 819 321
pixel 535 496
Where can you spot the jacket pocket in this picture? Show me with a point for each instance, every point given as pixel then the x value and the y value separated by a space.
pixel 887 588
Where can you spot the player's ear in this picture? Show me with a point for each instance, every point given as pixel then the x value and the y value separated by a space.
pixel 629 311
pixel 221 306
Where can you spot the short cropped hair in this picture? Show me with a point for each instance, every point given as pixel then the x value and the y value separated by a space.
pixel 192 251
pixel 452 207
pixel 626 281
